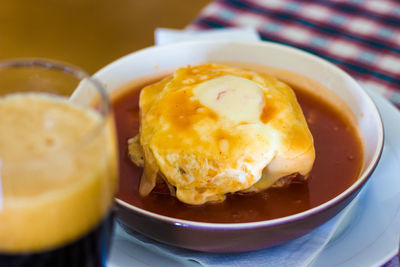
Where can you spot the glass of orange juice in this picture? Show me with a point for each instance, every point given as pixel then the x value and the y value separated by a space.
pixel 58 166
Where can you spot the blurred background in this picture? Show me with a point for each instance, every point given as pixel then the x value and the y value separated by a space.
pixel 87 33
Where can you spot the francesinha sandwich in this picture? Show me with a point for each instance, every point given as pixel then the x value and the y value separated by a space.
pixel 210 130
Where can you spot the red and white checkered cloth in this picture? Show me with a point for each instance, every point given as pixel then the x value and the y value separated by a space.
pixel 360 36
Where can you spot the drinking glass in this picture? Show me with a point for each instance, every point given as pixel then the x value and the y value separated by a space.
pixel 58 166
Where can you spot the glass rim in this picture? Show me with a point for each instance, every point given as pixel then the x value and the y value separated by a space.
pixel 81 75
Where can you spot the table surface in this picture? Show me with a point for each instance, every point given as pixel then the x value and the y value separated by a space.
pixel 87 33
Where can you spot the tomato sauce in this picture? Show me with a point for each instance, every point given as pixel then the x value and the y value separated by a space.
pixel 337 166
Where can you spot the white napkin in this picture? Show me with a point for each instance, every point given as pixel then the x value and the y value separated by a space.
pixel 164 36
pixel 138 250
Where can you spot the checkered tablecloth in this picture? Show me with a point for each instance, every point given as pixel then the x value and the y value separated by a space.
pixel 360 36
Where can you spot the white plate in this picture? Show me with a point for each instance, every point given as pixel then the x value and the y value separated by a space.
pixel 369 235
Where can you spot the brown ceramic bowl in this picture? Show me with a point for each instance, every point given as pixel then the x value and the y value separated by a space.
pixel 237 237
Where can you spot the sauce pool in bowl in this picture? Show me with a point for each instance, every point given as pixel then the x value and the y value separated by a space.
pixel 339 156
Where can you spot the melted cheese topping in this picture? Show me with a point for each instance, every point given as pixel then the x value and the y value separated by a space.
pixel 236 98
pixel 210 130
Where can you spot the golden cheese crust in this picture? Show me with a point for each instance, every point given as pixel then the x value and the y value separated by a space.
pixel 205 147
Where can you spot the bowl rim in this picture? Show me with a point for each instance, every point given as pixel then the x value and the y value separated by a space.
pixel 364 176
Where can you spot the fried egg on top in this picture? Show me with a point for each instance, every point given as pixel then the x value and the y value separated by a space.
pixel 210 130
